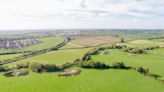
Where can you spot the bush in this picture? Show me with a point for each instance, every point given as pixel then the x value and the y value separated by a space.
pixel 92 64
pixel 3 68
pixel 143 70
pixel 86 57
pixel 118 65
pixel 77 61
pixel 119 46
pixel 66 65
pixel 152 48
pixel 36 67
pixel 22 65
pixel 139 51
pixel 155 76
pixel 50 68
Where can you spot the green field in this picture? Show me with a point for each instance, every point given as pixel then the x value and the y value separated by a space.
pixel 3 57
pixel 58 57
pixel 55 57
pixel 88 81
pixel 153 60
pixel 46 43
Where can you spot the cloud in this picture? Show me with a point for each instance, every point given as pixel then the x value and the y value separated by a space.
pixel 56 13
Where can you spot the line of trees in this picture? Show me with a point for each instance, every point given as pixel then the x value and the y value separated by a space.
pixel 134 50
pixel 146 72
pixel 130 49
pixel 38 67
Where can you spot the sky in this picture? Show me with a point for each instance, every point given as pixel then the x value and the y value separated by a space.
pixel 77 14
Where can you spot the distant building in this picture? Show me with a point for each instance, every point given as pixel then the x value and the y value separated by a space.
pixel 10 44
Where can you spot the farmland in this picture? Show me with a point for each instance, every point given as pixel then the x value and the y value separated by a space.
pixel 90 80
pixel 2 57
pixel 153 60
pixel 95 40
pixel 55 57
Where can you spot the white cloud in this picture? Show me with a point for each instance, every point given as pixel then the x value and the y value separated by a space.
pixel 30 14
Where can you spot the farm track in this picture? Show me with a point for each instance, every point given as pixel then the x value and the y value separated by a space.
pixel 35 53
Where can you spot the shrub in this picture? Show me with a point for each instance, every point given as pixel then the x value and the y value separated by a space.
pixel 155 76
pixel 122 40
pixel 22 65
pixel 50 68
pixel 66 65
pixel 35 67
pixel 120 46
pixel 152 48
pixel 77 61
pixel 118 65
pixel 143 70
pixel 86 57
pixel 3 68
pixel 92 64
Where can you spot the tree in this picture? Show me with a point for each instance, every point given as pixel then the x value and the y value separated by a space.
pixel 143 70
pixel 122 40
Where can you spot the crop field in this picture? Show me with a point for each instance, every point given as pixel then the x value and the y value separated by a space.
pixel 143 43
pixel 94 40
pixel 140 35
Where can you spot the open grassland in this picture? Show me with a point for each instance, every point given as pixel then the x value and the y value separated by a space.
pixel 4 57
pixel 90 80
pixel 94 40
pixel 55 57
pixel 46 43
pixel 153 60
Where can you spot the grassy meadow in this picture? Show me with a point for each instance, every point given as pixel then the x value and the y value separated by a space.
pixel 55 57
pixel 3 57
pixel 153 60
pixel 90 80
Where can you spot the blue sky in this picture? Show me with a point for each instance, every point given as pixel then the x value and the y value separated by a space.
pixel 63 14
